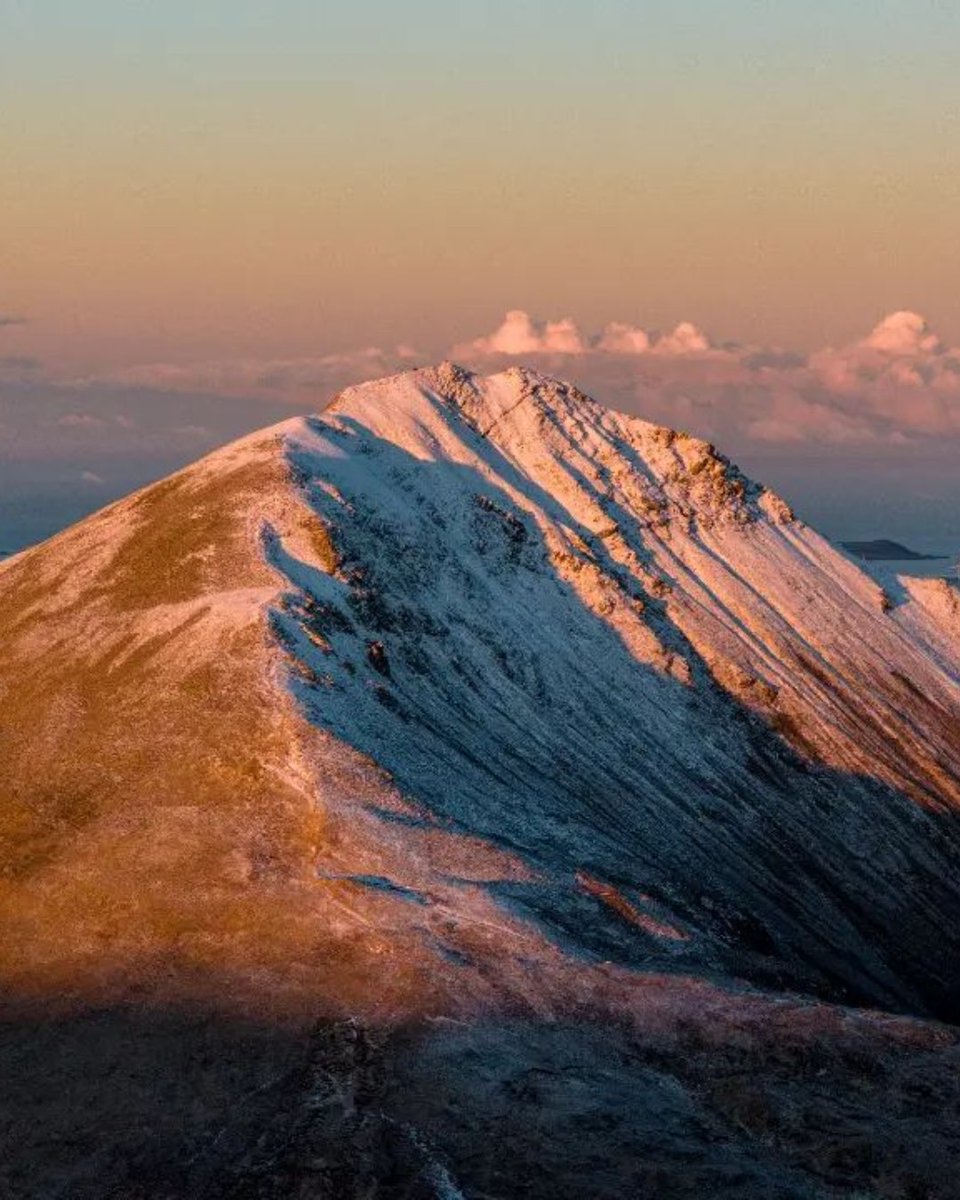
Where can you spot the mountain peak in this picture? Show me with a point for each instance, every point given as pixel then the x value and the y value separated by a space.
pixel 475 646
pixel 533 416
pixel 463 699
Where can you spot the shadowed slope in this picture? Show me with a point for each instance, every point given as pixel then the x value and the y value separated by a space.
pixel 616 671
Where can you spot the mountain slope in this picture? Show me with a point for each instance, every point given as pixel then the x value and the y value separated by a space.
pixel 487 646
pixel 469 699
pixel 612 657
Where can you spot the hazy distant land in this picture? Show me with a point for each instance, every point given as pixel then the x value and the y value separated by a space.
pixel 885 550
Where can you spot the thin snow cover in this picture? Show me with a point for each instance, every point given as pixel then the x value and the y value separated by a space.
pixel 592 645
pixel 539 767
pixel 560 686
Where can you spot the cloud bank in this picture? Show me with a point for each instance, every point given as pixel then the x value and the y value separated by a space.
pixel 306 381
pixel 896 388
pixel 900 384
pixel 862 436
pixel 520 336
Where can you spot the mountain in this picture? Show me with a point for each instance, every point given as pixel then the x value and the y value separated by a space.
pixel 487 788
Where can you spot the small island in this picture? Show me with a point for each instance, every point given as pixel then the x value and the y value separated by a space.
pixel 882 550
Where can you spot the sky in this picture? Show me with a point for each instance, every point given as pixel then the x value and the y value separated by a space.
pixel 197 197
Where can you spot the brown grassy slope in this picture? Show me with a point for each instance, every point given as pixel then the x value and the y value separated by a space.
pixel 147 820
pixel 163 804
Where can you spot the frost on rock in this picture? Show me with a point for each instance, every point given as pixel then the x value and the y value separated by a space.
pixel 594 645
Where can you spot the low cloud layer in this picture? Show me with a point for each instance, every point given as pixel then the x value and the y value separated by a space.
pixel 306 382
pixel 897 387
pixel 862 437
pixel 899 384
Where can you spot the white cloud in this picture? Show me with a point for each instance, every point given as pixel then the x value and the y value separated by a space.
pixel 900 353
pixel 685 339
pixel 898 384
pixel 519 336
pixel 618 338
pixel 904 333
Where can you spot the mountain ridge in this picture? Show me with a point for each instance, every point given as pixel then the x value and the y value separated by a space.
pixel 464 739
pixel 403 562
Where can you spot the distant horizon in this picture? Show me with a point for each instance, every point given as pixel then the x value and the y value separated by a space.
pixel 110 440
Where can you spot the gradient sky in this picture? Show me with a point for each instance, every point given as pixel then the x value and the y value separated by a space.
pixel 188 180
pixel 211 211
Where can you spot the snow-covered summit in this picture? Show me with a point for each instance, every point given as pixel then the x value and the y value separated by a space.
pixel 684 476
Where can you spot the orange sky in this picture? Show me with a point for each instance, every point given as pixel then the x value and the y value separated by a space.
pixel 175 188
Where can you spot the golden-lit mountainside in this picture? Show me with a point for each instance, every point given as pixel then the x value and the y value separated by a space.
pixel 475 736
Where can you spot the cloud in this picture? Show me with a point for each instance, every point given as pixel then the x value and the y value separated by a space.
pixel 19 362
pixel 618 338
pixel 8 320
pixel 898 385
pixel 48 420
pixel 773 360
pixel 76 420
pixel 685 339
pixel 900 353
pixel 91 477
pixel 519 335
pixel 903 333
pixel 14 367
